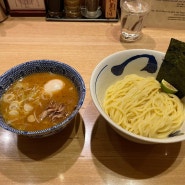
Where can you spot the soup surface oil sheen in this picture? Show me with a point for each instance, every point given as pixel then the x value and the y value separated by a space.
pixel 38 101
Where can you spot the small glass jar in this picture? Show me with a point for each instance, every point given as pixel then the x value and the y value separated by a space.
pixel 72 8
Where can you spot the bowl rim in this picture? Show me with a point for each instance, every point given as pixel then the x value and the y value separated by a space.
pixel 132 136
pixel 58 126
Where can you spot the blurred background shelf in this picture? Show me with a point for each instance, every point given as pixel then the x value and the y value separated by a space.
pixel 82 19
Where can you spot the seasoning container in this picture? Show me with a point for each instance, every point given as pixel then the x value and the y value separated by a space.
pixel 92 9
pixel 55 8
pixel 110 9
pixel 72 8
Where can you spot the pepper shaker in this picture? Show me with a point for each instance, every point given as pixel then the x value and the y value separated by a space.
pixel 92 9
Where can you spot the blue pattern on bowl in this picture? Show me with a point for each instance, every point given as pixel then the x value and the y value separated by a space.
pixel 37 66
pixel 151 66
pixel 118 70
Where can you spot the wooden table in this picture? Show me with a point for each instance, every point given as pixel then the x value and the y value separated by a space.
pixel 88 151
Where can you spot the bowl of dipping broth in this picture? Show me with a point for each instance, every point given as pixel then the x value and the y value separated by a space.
pixel 125 91
pixel 39 98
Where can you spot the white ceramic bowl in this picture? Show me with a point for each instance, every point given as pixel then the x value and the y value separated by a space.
pixel 136 61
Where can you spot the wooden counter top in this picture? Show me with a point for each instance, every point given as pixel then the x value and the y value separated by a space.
pixel 88 152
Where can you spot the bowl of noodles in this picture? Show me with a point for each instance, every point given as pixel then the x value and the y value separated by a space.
pixel 127 94
pixel 39 98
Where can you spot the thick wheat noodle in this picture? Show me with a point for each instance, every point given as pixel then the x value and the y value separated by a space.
pixel 138 105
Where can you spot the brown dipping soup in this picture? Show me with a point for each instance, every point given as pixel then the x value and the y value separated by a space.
pixel 38 101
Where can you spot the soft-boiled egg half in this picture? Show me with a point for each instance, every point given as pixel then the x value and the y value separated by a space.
pixel 53 86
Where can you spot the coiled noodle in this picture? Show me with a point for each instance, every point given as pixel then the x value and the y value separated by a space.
pixel 138 105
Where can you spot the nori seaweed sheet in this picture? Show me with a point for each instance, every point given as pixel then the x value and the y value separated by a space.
pixel 173 67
